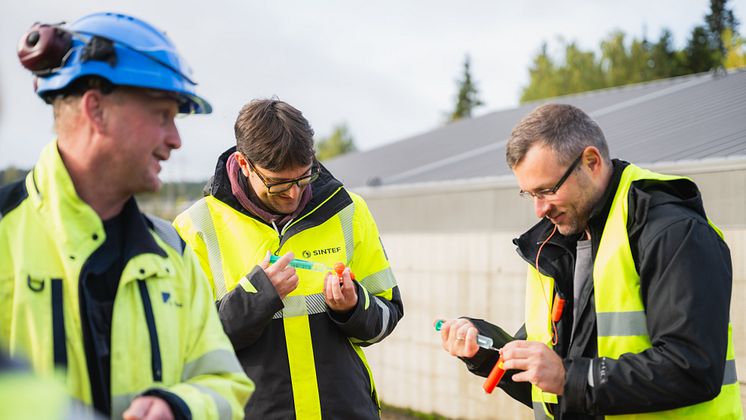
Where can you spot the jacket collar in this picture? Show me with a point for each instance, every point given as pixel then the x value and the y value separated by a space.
pixel 76 226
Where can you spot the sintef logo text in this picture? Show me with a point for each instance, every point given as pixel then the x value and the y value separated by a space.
pixel 324 251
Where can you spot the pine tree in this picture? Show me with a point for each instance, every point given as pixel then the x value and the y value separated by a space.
pixel 468 96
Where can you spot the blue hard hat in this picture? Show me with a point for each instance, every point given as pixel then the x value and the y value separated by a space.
pixel 143 56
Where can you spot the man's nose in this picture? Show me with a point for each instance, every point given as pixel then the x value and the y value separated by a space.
pixel 294 191
pixel 173 138
pixel 541 207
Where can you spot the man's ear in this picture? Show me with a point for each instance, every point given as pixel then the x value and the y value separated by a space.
pixel 243 163
pixel 92 105
pixel 593 159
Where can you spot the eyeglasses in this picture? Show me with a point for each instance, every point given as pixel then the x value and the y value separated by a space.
pixel 280 187
pixel 548 192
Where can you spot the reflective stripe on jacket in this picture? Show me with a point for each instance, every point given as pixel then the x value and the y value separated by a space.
pixel 165 333
pixel 307 363
pixel 621 318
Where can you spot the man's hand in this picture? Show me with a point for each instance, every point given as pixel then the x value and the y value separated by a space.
pixel 148 408
pixel 281 275
pixel 459 337
pixel 540 365
pixel 340 297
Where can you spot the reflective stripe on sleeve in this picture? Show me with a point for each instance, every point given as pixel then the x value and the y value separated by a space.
pixel 223 406
pixel 216 361
pixel 379 282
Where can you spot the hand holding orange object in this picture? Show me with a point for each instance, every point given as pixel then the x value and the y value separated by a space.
pixel 339 268
pixel 340 291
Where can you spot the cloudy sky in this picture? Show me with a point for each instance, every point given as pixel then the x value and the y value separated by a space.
pixel 387 68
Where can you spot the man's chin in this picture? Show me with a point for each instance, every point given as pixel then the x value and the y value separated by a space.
pixel 567 230
pixel 152 185
pixel 286 208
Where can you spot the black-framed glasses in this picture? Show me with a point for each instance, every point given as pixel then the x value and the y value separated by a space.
pixel 280 187
pixel 548 192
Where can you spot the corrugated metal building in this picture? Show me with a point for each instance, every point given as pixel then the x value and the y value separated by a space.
pixel 447 207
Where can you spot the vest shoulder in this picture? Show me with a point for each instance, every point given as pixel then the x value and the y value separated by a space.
pixel 11 196
pixel 655 206
pixel 168 234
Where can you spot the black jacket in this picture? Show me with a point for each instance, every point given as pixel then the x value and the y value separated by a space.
pixel 686 280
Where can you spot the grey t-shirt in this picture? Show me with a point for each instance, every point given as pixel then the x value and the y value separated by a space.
pixel 583 267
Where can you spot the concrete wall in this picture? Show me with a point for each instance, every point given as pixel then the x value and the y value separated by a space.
pixel 450 247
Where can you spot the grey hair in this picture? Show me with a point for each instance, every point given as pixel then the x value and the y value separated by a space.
pixel 566 129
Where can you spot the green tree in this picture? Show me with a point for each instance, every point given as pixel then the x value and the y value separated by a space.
pixel 580 71
pixel 468 96
pixel 543 77
pixel 716 43
pixel 338 143
pixel 699 56
pixel 664 59
pixel 719 20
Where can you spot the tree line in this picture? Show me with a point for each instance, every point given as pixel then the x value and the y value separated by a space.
pixel 714 44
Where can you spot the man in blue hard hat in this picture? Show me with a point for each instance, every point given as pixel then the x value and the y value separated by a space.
pixel 94 291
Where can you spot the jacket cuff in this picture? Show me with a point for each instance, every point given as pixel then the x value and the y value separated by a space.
pixel 247 309
pixel 179 408
pixel 576 384
pixel 258 278
pixel 481 363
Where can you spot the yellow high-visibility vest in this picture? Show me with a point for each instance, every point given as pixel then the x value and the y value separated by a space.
pixel 621 321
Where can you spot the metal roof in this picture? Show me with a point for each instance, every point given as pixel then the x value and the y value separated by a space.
pixel 689 118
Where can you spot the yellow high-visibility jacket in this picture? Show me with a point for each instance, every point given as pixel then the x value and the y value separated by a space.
pixel 306 360
pixel 166 338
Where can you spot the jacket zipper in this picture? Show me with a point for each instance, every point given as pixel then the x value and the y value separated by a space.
pixel 58 325
pixel 155 349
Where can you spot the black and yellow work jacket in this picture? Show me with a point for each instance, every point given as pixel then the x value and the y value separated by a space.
pixel 165 336
pixel 306 360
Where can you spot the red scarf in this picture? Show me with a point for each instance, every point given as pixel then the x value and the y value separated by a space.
pixel 253 204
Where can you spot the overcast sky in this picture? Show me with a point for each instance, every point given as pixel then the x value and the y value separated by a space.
pixel 387 68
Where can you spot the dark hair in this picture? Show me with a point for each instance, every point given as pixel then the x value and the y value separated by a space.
pixel 566 129
pixel 78 87
pixel 274 135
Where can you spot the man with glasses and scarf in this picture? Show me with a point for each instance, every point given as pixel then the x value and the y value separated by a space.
pixel 628 289
pixel 298 334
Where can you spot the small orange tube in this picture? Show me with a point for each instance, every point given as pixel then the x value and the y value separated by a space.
pixel 494 377
pixel 559 306
pixel 339 268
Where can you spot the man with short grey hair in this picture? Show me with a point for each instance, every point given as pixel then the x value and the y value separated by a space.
pixel 628 287
pixel 93 291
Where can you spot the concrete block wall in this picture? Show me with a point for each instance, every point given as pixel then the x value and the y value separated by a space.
pixel 447 276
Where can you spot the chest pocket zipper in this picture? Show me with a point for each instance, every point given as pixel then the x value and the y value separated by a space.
pixel 155 349
pixel 58 325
